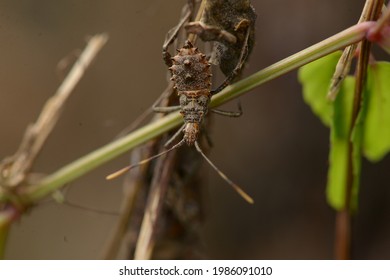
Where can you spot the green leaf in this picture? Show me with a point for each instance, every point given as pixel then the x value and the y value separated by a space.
pixel 315 78
pixel 376 142
pixel 339 148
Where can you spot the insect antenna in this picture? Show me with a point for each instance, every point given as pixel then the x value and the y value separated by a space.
pixel 240 191
pixel 129 167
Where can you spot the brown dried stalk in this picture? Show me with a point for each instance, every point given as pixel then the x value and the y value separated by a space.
pixel 15 170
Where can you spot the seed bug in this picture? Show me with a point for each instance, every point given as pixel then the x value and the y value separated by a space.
pixel 191 76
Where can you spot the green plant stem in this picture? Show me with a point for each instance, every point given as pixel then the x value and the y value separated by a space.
pixel 98 157
pixel 345 38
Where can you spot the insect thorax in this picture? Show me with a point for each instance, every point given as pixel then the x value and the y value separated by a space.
pixel 191 74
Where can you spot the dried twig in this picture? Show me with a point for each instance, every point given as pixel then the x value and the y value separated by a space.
pixel 14 169
pixel 344 64
pixel 132 186
pixel 159 186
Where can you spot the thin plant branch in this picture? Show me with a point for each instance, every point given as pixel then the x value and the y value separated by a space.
pixel 343 217
pixel 14 170
pixel 147 235
pixel 382 22
pixel 98 157
pixel 132 188
pixel 344 64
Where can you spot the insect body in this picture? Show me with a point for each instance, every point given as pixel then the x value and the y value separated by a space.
pixel 191 75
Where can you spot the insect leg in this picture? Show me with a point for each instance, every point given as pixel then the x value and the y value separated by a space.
pixel 229 113
pixel 156 106
pixel 237 69
pixel 169 109
pixel 177 133
pixel 172 34
pixel 209 32
pixel 166 93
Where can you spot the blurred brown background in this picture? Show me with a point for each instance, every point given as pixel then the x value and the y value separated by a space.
pixel 277 150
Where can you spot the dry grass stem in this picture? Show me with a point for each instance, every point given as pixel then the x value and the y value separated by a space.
pixel 132 186
pixel 15 169
pixel 152 217
pixel 344 65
